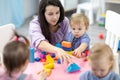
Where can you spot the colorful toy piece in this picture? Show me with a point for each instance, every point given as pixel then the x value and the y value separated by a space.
pixel 49 66
pixel 101 36
pixel 101 21
pixel 31 59
pixel 49 59
pixel 66 44
pixel 37 59
pixel 58 61
pixel 70 52
pixel 58 45
pixel 73 67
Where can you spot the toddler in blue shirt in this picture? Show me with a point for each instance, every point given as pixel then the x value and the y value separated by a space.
pixel 80 40
pixel 101 61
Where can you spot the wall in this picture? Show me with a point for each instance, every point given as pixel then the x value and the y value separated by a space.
pixel 113 6
pixel 30 8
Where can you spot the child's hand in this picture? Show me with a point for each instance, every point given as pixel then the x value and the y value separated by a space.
pixel 77 52
pixel 42 75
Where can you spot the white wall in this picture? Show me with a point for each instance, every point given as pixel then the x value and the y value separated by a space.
pixel 30 7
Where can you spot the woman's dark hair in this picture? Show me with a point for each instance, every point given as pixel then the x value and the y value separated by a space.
pixel 41 16
pixel 15 55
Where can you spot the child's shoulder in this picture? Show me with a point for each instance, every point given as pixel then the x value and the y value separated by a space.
pixel 114 76
pixel 85 75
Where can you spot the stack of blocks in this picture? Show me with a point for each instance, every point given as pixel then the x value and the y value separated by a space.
pixel 67 46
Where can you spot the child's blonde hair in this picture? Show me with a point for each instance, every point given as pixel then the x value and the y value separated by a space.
pixel 101 51
pixel 77 18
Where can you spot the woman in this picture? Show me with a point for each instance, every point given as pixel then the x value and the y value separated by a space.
pixel 49 28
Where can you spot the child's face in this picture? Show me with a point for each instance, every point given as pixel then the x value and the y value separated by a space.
pixel 78 29
pixel 100 69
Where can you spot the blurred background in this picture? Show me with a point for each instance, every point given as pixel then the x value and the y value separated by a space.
pixel 21 12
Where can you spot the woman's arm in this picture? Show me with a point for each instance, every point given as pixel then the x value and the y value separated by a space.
pixel 44 45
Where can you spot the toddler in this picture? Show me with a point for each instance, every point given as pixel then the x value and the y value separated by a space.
pixel 16 59
pixel 101 61
pixel 80 40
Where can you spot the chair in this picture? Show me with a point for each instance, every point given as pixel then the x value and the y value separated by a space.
pixel 88 8
pixel 6 32
pixel 112 26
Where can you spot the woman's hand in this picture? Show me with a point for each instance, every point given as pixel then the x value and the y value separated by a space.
pixel 64 57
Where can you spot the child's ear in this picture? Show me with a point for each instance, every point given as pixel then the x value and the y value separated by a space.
pixel 111 64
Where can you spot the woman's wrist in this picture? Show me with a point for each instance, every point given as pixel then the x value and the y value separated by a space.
pixel 55 50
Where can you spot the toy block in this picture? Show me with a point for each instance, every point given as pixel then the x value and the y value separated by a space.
pixel 37 59
pixel 31 58
pixel 58 61
pixel 66 44
pixel 49 66
pixel 42 56
pixel 45 63
pixel 58 45
pixel 44 53
pixel 73 67
pixel 87 52
pixel 43 60
pixel 56 58
pixel 49 59
pixel 53 55
pixel 67 49
pixel 70 52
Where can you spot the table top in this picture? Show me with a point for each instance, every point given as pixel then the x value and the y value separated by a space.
pixel 59 71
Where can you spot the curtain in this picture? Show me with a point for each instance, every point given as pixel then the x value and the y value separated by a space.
pixel 11 11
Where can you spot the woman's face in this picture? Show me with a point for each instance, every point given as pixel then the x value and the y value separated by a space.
pixel 52 14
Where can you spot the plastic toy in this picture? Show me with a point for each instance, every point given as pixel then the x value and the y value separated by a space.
pixel 73 67
pixel 31 58
pixel 43 55
pixel 37 59
pixel 66 44
pixel 58 61
pixel 67 49
pixel 101 21
pixel 58 45
pixel 49 59
pixel 70 52
pixel 49 66
pixel 101 36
